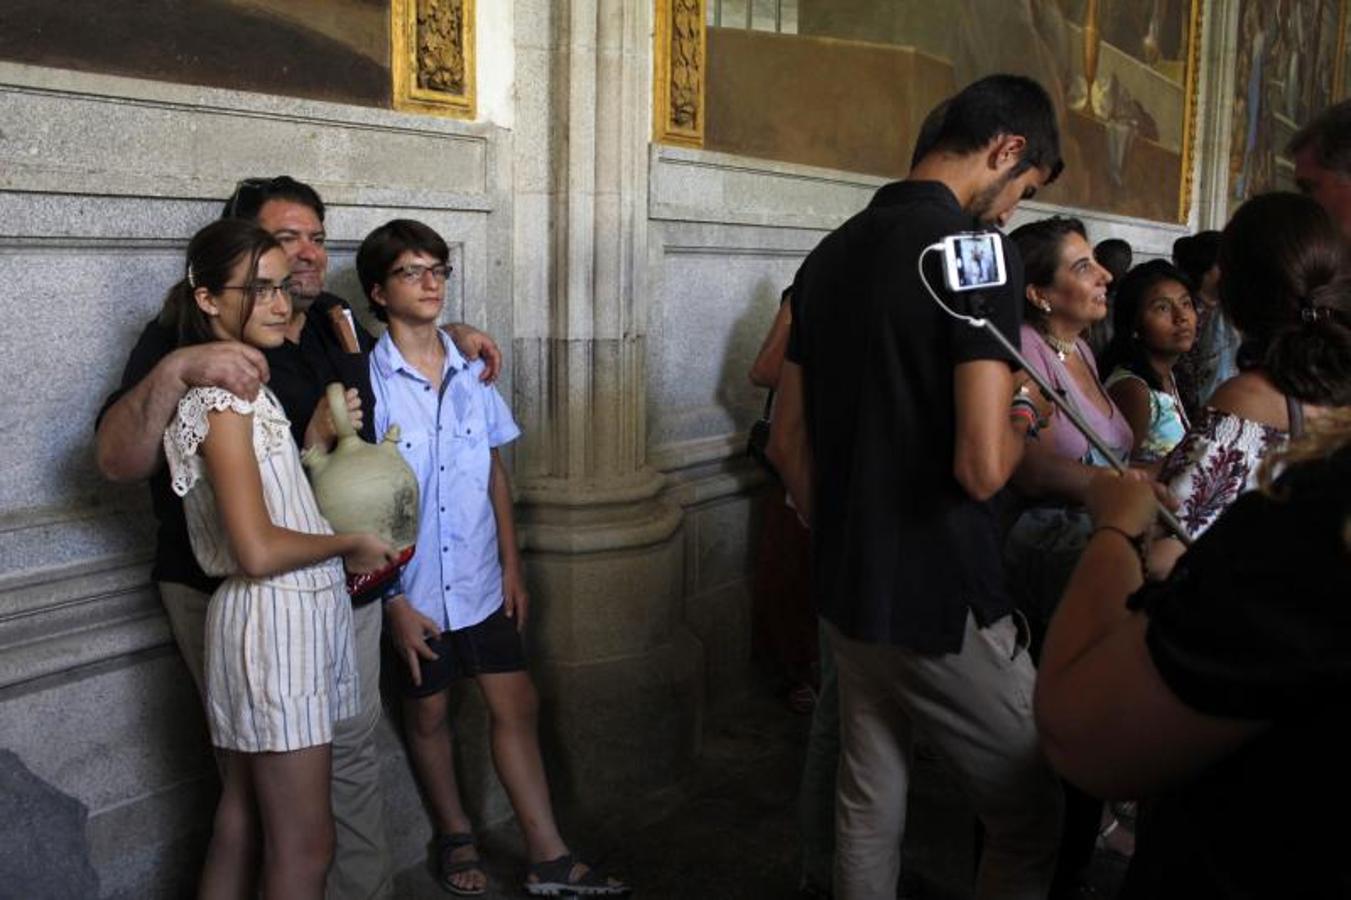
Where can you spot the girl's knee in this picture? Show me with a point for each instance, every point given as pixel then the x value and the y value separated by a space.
pixel 309 848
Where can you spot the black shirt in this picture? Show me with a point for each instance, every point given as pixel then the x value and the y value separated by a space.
pixel 1255 623
pixel 900 552
pixel 299 374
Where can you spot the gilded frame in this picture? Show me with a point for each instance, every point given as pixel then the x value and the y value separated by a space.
pixel 1192 90
pixel 680 49
pixel 432 41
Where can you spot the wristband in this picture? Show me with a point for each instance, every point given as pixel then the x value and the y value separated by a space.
pixel 1137 542
pixel 1019 411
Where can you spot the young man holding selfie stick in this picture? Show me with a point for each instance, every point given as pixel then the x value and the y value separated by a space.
pixel 893 429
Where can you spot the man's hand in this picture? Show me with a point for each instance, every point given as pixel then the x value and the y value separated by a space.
pixel 322 432
pixel 238 368
pixel 409 630
pixel 474 344
pixel 515 600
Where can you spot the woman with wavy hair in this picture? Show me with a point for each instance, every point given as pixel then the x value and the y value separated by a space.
pixel 1285 283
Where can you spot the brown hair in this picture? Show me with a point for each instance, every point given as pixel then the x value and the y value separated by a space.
pixel 1285 283
pixel 213 254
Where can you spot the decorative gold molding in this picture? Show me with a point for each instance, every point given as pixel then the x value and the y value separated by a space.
pixel 1192 90
pixel 680 49
pixel 432 56
pixel 1339 91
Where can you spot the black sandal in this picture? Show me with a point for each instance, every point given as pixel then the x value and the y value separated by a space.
pixel 447 844
pixel 554 878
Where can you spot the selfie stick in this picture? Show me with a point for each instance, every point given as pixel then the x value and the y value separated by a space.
pixel 1049 392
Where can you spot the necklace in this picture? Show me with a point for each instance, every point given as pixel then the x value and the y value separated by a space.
pixel 1062 348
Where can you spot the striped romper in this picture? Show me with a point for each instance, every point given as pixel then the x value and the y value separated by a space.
pixel 279 666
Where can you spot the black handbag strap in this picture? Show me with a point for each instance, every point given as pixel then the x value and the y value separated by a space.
pixel 1294 410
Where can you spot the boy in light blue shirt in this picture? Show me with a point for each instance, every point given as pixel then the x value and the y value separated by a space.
pixel 465 601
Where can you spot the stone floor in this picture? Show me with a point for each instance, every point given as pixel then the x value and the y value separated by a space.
pixel 728 831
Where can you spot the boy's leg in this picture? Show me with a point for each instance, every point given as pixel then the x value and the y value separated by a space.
pixel 976 707
pixel 293 804
pixel 361 863
pixel 513 707
pixel 431 751
pixel 232 857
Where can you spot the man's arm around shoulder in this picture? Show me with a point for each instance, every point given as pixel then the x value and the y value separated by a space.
pixel 127 444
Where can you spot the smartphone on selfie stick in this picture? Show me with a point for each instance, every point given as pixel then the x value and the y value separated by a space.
pixel 974 261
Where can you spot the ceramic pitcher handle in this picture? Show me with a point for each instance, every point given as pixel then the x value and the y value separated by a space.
pixel 337 407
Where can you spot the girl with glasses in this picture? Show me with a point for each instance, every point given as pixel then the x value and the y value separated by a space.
pixel 279 659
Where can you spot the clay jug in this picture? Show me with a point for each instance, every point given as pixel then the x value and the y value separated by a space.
pixel 362 486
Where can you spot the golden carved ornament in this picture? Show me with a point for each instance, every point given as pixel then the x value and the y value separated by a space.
pixel 681 68
pixel 432 56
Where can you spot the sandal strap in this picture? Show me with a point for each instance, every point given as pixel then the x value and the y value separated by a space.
pixel 559 871
pixel 554 870
pixel 454 840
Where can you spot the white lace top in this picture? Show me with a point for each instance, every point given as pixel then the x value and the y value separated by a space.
pixel 290 501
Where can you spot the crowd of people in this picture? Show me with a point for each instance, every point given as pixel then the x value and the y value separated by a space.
pixel 995 585
pixel 955 562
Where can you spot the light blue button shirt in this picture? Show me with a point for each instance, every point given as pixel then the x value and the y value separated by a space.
pixel 455 576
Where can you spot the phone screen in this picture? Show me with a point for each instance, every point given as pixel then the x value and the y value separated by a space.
pixel 975 260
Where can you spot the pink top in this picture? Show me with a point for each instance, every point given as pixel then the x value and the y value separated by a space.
pixel 1065 439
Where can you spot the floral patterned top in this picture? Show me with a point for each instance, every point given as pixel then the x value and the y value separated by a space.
pixel 1215 463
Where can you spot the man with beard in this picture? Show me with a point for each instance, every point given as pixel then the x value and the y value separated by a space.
pixel 319 349
pixel 891 456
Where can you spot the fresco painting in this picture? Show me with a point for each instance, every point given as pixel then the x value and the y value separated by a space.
pixel 1291 63
pixel 321 49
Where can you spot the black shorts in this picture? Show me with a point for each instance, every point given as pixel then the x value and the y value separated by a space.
pixel 491 647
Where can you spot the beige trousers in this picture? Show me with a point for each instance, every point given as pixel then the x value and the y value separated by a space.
pixel 360 861
pixel 975 708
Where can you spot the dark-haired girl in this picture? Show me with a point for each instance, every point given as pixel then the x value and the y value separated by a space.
pixel 1154 325
pixel 279 663
pixel 1285 283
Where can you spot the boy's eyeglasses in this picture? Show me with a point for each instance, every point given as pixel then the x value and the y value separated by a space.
pixel 412 274
pixel 262 292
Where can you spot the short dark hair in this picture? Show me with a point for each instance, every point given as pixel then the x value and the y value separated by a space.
pixel 386 244
pixel 1114 255
pixel 1196 254
pixel 929 130
pixel 1126 350
pixel 1285 283
pixel 1003 105
pixel 1039 244
pixel 213 254
pixel 249 196
pixel 1329 134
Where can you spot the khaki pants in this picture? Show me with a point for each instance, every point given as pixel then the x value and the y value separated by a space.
pixel 360 862
pixel 975 708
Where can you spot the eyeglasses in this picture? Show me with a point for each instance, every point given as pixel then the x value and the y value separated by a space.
pixel 243 188
pixel 412 274
pixel 262 292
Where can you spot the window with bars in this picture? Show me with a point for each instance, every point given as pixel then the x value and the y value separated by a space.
pixel 754 15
